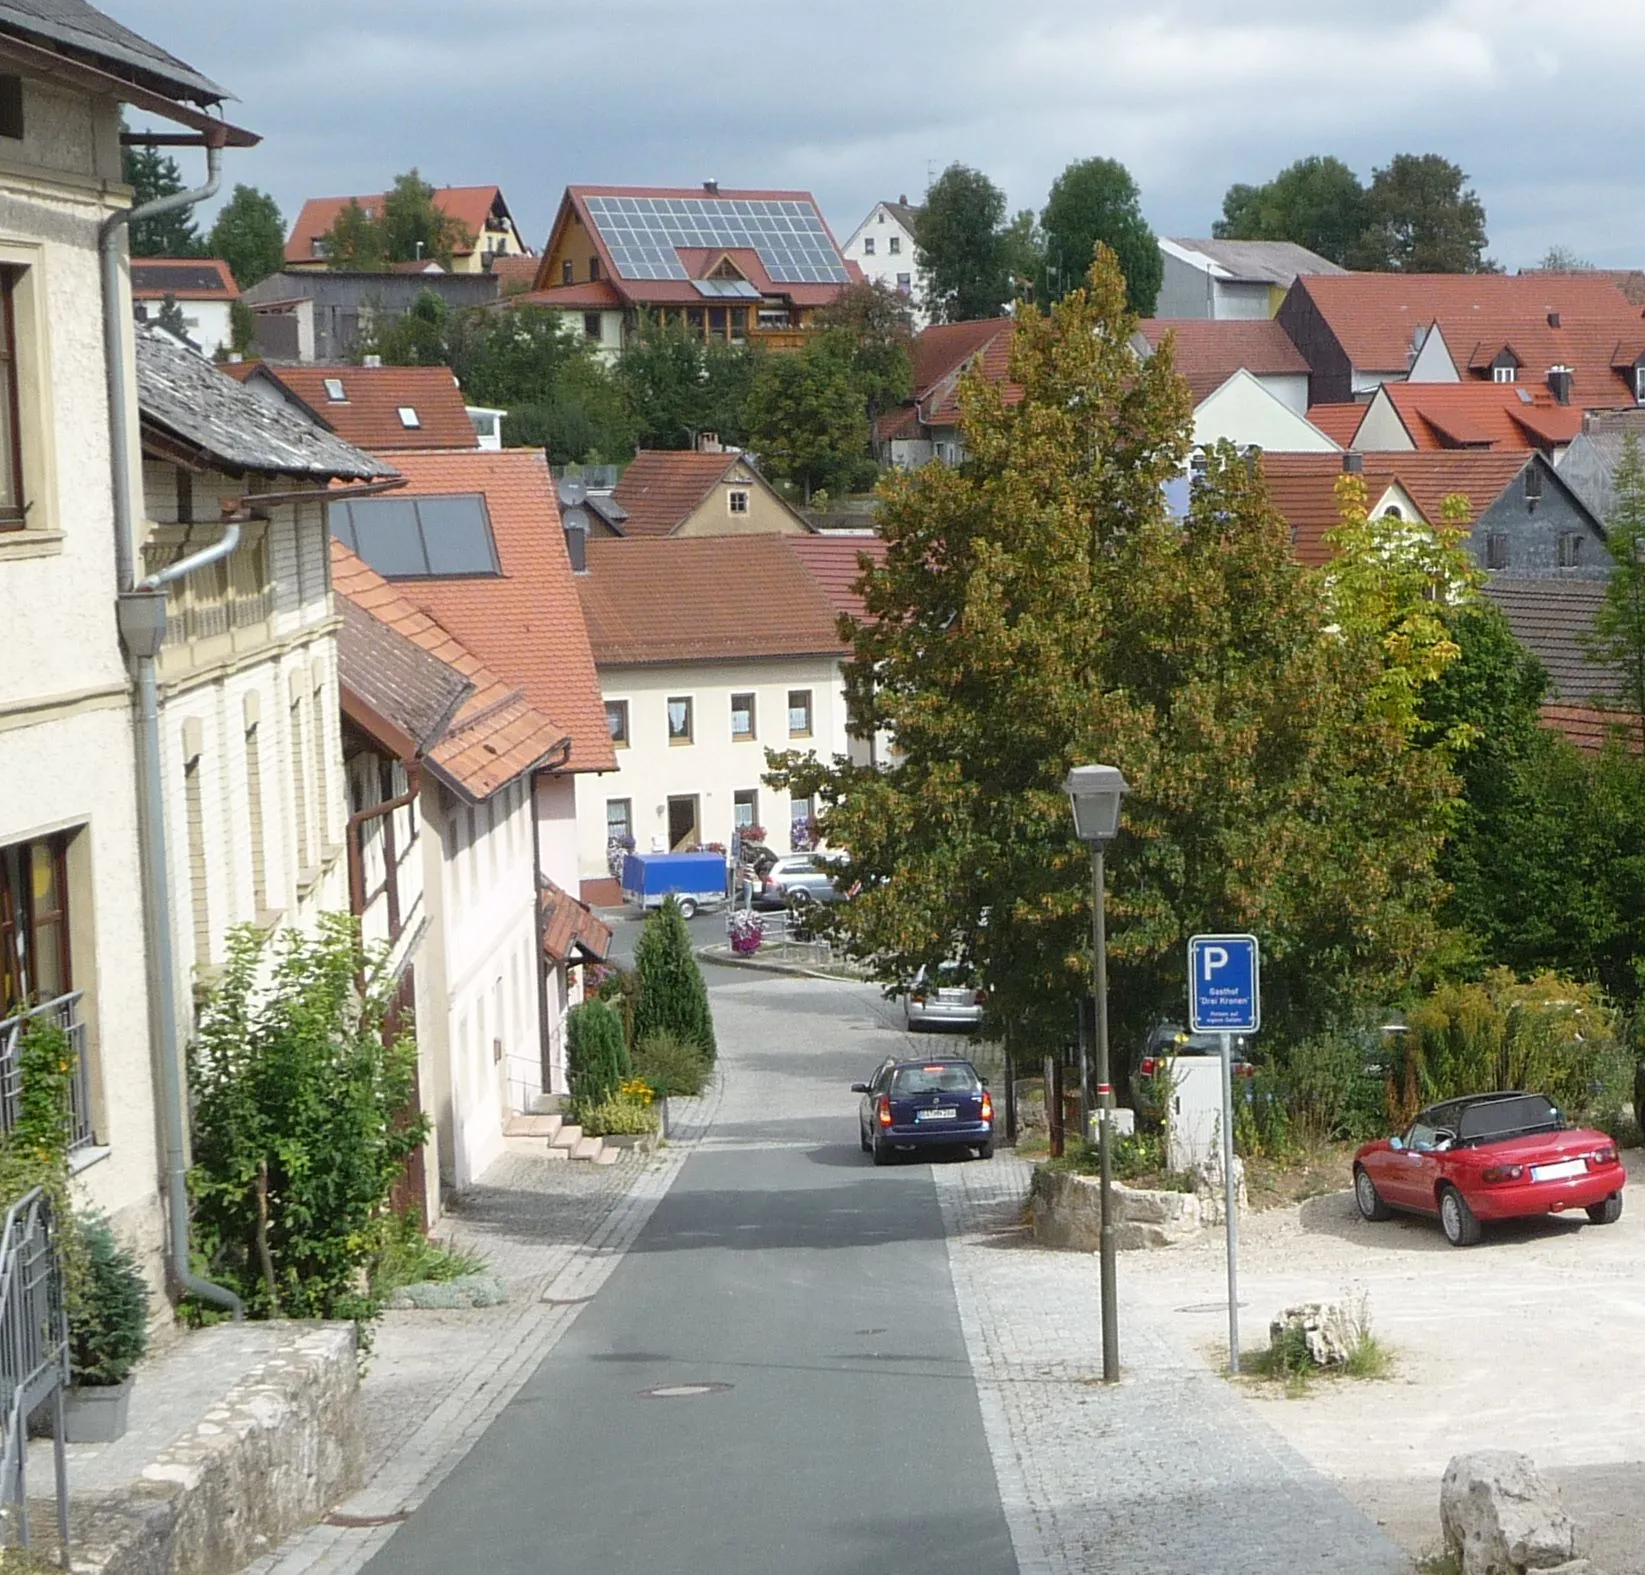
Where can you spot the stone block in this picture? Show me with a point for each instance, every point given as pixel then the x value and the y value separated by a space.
pixel 1067 1213
pixel 1322 1330
pixel 1500 1517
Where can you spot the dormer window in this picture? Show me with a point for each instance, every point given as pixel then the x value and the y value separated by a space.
pixel 334 391
pixel 1505 368
pixel 409 418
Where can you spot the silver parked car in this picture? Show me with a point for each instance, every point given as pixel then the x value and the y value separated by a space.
pixel 798 879
pixel 947 996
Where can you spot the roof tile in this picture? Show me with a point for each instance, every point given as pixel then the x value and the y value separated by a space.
pixel 369 413
pixel 835 562
pixel 469 205
pixel 1208 351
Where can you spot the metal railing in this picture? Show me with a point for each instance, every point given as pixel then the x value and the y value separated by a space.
pixel 34 1359
pixel 65 1012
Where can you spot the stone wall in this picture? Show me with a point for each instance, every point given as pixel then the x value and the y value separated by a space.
pixel 1067 1212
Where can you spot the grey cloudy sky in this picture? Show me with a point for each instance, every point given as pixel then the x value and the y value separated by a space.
pixel 859 99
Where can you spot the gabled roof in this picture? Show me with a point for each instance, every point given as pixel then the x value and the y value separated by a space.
pixel 1376 316
pixel 1552 619
pixel 83 30
pixel 515 274
pixel 1481 415
pixel 470 206
pixel 1208 351
pixel 569 927
pixel 1252 262
pixel 945 348
pixel 525 623
pixel 1589 727
pixel 662 488
pixel 672 600
pixel 1339 422
pixel 833 561
pixel 494 735
pixel 368 414
pixel 189 408
pixel 185 278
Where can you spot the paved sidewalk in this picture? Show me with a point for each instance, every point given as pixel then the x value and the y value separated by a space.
pixel 1171 1472
pixel 553 1230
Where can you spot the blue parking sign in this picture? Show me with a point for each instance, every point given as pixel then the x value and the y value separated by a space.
pixel 1224 984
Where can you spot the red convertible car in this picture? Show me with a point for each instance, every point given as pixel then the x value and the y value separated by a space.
pixel 1490 1157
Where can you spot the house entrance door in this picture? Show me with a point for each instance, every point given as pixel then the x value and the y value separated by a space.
pixel 682 823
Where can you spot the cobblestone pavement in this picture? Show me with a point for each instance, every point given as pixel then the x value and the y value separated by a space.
pixel 1170 1472
pixel 553 1230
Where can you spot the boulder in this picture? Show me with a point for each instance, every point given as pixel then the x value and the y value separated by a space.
pixel 1322 1332
pixel 1207 1179
pixel 1067 1212
pixel 1500 1518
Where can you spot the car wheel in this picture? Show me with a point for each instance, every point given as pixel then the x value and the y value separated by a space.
pixel 882 1152
pixel 985 1150
pixel 862 1138
pixel 1608 1212
pixel 1368 1198
pixel 688 909
pixel 1457 1220
pixel 798 897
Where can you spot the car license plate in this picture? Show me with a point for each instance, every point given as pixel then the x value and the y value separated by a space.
pixel 1559 1172
pixel 948 1114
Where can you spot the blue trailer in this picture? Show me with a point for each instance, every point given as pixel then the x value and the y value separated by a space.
pixel 693 880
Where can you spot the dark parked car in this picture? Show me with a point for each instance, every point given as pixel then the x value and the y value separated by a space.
pixel 1165 1042
pixel 1490 1157
pixel 924 1104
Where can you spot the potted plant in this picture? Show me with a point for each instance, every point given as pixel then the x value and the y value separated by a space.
pixel 745 932
pixel 108 1334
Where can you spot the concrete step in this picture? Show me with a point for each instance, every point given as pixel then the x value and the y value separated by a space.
pixel 533 1126
pixel 534 1148
pixel 588 1148
pixel 567 1137
pixel 607 1156
pixel 548 1104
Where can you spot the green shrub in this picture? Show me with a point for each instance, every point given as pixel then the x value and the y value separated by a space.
pixel 1329 1092
pixel 596 1056
pixel 108 1320
pixel 407 1257
pixel 1262 1119
pixel 670 1064
pixel 621 1115
pixel 672 995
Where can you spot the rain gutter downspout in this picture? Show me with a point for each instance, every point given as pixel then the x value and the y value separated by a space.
pixel 142 618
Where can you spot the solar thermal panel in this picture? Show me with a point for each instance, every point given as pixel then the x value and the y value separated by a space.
pixel 642 233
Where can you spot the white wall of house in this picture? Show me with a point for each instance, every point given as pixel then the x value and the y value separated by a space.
pixel 1192 285
pixel 1433 363
pixel 208 323
pixel 66 748
pixel 608 343
pixel 1380 429
pixel 1250 412
pixel 714 767
pixel 883 247
pixel 482 859
pixel 556 801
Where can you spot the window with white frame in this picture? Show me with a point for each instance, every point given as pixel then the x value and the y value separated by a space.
pixel 868 246
pixel 737 500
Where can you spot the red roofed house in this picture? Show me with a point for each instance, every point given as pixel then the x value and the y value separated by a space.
pixel 480 210
pixel 384 409
pixel 474 542
pixel 706 492
pixel 1466 415
pixel 926 427
pixel 202 287
pixel 699 683
pixel 1575 332
pixel 743 266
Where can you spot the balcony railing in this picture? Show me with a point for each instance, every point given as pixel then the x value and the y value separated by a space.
pixel 65 1013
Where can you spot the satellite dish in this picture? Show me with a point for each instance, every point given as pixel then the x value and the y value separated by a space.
pixel 572 492
pixel 574 519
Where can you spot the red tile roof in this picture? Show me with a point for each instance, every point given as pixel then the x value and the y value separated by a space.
pixel 1303 486
pixel 184 278
pixel 1338 422
pixel 496 736
pixel 568 926
pixel 703 599
pixel 1209 351
pixel 469 205
pixel 662 488
pixel 1375 317
pixel 369 413
pixel 592 295
pixel 526 624
pixel 833 560
pixel 945 348
pixel 515 274
pixel 1482 415
pixel 1588 727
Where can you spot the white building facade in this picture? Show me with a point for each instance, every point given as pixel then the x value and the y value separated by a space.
pixel 883 247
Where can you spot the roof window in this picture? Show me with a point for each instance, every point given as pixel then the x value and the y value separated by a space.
pixel 409 418
pixel 334 391
pixel 421 538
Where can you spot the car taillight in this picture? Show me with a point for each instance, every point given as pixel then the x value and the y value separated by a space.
pixel 885 1111
pixel 1604 1156
pixel 918 998
pixel 1244 1069
pixel 980 997
pixel 1502 1173
pixel 987 1106
pixel 1149 1066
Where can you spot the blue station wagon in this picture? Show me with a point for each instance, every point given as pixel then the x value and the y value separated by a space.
pixel 924 1104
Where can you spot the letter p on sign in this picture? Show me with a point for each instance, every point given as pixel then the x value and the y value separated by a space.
pixel 1224 994
pixel 1214 957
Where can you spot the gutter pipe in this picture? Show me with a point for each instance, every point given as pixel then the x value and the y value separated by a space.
pixel 142 618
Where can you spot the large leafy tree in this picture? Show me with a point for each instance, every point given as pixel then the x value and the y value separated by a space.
pixel 355 243
pixel 1422 217
pixel 1039 607
pixel 408 227
pixel 961 250
pixel 873 327
pixel 806 416
pixel 1318 202
pixel 249 235
pixel 676 385
pixel 151 174
pixel 1619 625
pixel 1096 200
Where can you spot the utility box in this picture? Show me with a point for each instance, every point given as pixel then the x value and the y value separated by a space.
pixel 1193 1115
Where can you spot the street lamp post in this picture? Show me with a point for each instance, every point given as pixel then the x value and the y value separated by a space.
pixel 1095 792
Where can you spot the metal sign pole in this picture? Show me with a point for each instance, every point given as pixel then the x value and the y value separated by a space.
pixel 1230 1199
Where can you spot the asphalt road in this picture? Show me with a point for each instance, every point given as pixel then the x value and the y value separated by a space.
pixel 799 1301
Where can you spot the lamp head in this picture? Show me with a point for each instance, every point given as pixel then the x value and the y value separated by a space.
pixel 1095 792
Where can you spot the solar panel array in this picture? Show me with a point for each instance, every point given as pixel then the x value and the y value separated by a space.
pixel 642 233
pixel 445 537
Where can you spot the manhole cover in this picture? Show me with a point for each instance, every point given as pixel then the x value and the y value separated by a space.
pixel 1207 1307
pixel 868 1331
pixel 682 1391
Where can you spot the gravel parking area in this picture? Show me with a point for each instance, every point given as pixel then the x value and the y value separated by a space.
pixel 1529 1341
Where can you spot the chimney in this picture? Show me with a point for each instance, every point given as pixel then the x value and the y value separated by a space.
pixel 709 443
pixel 575 522
pixel 1559 381
pixel 1353 463
pixel 371 361
pixel 1553 319
pixel 903 199
pixel 712 187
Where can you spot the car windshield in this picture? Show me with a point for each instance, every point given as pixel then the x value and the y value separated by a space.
pixel 952 1077
pixel 953 975
pixel 1505 1118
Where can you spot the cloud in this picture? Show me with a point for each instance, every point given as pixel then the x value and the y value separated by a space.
pixel 862 100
